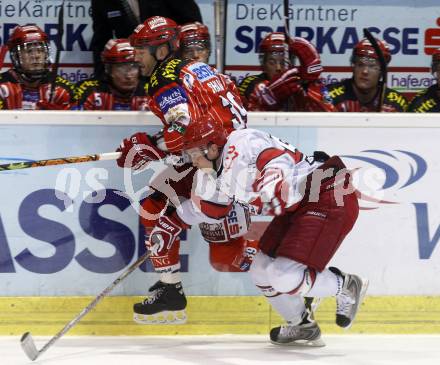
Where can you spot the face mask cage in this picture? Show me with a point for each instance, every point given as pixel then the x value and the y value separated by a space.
pixel 263 57
pixel 25 50
pixel 196 43
pixel 371 63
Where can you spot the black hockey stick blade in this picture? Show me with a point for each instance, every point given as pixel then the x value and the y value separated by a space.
pixel 383 65
pixel 28 346
pixel 56 64
pixel 380 56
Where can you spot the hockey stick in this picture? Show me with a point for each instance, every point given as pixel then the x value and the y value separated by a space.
pixel 3 50
pixel 383 67
pixel 286 33
pixel 219 40
pixel 169 160
pixel 287 64
pixel 60 161
pixel 58 53
pixel 225 36
pixel 27 342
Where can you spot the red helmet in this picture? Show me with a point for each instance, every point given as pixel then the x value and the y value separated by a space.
pixel 202 132
pixel 23 37
pixel 275 42
pixel 26 34
pixel 194 34
pixel 365 49
pixel 435 60
pixel 154 32
pixel 118 51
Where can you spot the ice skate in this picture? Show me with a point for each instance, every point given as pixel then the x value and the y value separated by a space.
pixel 166 305
pixel 304 334
pixel 350 298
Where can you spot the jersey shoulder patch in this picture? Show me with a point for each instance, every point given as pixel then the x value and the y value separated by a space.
pixel 84 88
pixel 396 99
pixel 65 84
pixel 168 72
pixel 169 98
pixel 337 91
pixel 202 71
pixel 247 85
pixel 425 101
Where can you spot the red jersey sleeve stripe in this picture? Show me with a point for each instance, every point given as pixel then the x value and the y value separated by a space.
pixel 214 210
pixel 268 155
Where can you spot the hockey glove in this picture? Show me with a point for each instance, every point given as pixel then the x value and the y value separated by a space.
pixel 244 261
pixel 137 151
pixel 284 85
pixel 273 191
pixel 45 105
pixel 164 234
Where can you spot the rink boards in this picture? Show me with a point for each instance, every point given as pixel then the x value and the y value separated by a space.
pixel 211 316
pixel 66 232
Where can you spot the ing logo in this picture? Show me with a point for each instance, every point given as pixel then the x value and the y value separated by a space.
pixel 432 39
pixel 384 177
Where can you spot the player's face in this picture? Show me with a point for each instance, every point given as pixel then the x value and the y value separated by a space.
pixel 366 73
pixel 146 60
pixel 125 76
pixel 274 63
pixel 202 158
pixel 196 53
pixel 33 57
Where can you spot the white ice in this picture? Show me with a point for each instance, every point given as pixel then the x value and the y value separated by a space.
pixel 227 350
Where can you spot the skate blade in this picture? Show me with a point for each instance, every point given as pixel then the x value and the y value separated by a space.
pixel 364 288
pixel 167 317
pixel 302 343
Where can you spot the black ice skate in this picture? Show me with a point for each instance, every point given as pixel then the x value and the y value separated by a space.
pixel 166 305
pixel 350 298
pixel 304 334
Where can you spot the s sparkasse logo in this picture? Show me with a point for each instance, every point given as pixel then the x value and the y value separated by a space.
pixel 432 39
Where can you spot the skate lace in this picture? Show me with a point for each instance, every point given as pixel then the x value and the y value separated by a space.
pixel 154 296
pixel 343 303
pixel 289 331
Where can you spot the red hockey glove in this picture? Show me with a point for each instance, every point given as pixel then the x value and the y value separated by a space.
pixel 137 151
pixel 245 259
pixel 273 191
pixel 164 234
pixel 45 105
pixel 285 84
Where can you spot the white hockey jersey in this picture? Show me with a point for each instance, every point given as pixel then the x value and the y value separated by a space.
pixel 246 154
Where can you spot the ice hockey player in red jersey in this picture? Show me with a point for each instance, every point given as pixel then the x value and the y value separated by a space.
pixel 286 87
pixel 195 42
pixel 180 91
pixel 428 101
pixel 315 208
pixel 362 93
pixel 121 88
pixel 26 86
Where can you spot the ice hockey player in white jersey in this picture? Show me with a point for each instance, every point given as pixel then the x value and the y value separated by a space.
pixel 314 205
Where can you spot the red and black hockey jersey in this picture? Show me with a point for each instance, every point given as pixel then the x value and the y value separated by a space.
pixel 94 94
pixel 345 99
pixel 312 97
pixel 183 90
pixel 16 95
pixel 427 101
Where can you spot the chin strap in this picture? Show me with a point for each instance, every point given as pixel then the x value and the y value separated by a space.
pixel 35 76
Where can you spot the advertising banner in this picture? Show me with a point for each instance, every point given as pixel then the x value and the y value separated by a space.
pixel 412 29
pixel 72 229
